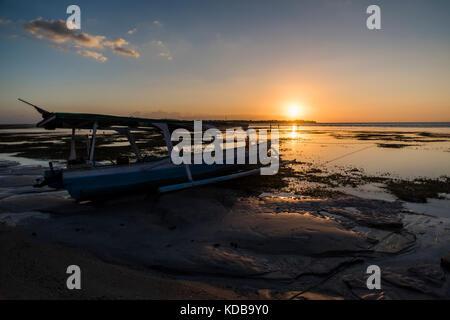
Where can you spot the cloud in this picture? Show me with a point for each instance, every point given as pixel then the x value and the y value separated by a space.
pixel 56 31
pixel 163 50
pixel 92 54
pixel 157 23
pixel 132 31
pixel 119 42
pixel 117 46
pixel 126 52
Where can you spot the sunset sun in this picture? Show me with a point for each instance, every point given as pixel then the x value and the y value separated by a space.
pixel 293 111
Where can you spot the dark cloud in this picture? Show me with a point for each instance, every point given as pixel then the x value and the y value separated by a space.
pixel 56 31
pixel 117 46
pixel 127 52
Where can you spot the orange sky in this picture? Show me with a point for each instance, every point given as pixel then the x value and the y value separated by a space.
pixel 240 61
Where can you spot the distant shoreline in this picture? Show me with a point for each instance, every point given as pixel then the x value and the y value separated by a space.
pixel 17 126
pixel 295 122
pixel 386 124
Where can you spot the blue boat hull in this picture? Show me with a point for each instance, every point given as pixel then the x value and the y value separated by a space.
pixel 103 183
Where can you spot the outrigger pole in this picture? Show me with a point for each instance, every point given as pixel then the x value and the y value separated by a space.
pixel 191 184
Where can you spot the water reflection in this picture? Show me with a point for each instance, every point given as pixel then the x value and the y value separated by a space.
pixel 294 132
pixel 401 152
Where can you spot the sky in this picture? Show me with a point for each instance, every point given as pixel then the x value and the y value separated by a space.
pixel 227 59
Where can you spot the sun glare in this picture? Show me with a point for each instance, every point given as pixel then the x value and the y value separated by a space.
pixel 293 111
pixel 294 132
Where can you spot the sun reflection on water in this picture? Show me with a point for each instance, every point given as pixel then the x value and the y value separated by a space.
pixel 294 132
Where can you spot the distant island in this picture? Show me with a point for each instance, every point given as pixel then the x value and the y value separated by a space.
pixel 248 122
pixel 214 122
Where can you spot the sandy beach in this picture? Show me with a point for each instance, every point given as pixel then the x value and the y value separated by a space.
pixel 308 233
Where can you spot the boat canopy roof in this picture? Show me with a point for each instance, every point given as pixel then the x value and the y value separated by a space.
pixel 55 120
pixel 86 121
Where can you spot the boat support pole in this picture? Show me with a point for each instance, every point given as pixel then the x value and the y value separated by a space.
pixel 73 154
pixel 188 172
pixel 94 134
pixel 165 130
pixel 133 144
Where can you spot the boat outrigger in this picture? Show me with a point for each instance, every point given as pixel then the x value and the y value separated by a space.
pixel 87 179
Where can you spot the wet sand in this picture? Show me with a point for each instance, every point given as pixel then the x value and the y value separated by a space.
pixel 223 244
pixel 35 270
pixel 308 233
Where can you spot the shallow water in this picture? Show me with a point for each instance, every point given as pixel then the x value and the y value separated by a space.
pixel 27 161
pixel 336 148
pixel 424 151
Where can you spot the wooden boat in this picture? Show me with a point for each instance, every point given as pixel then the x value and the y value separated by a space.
pixel 89 180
